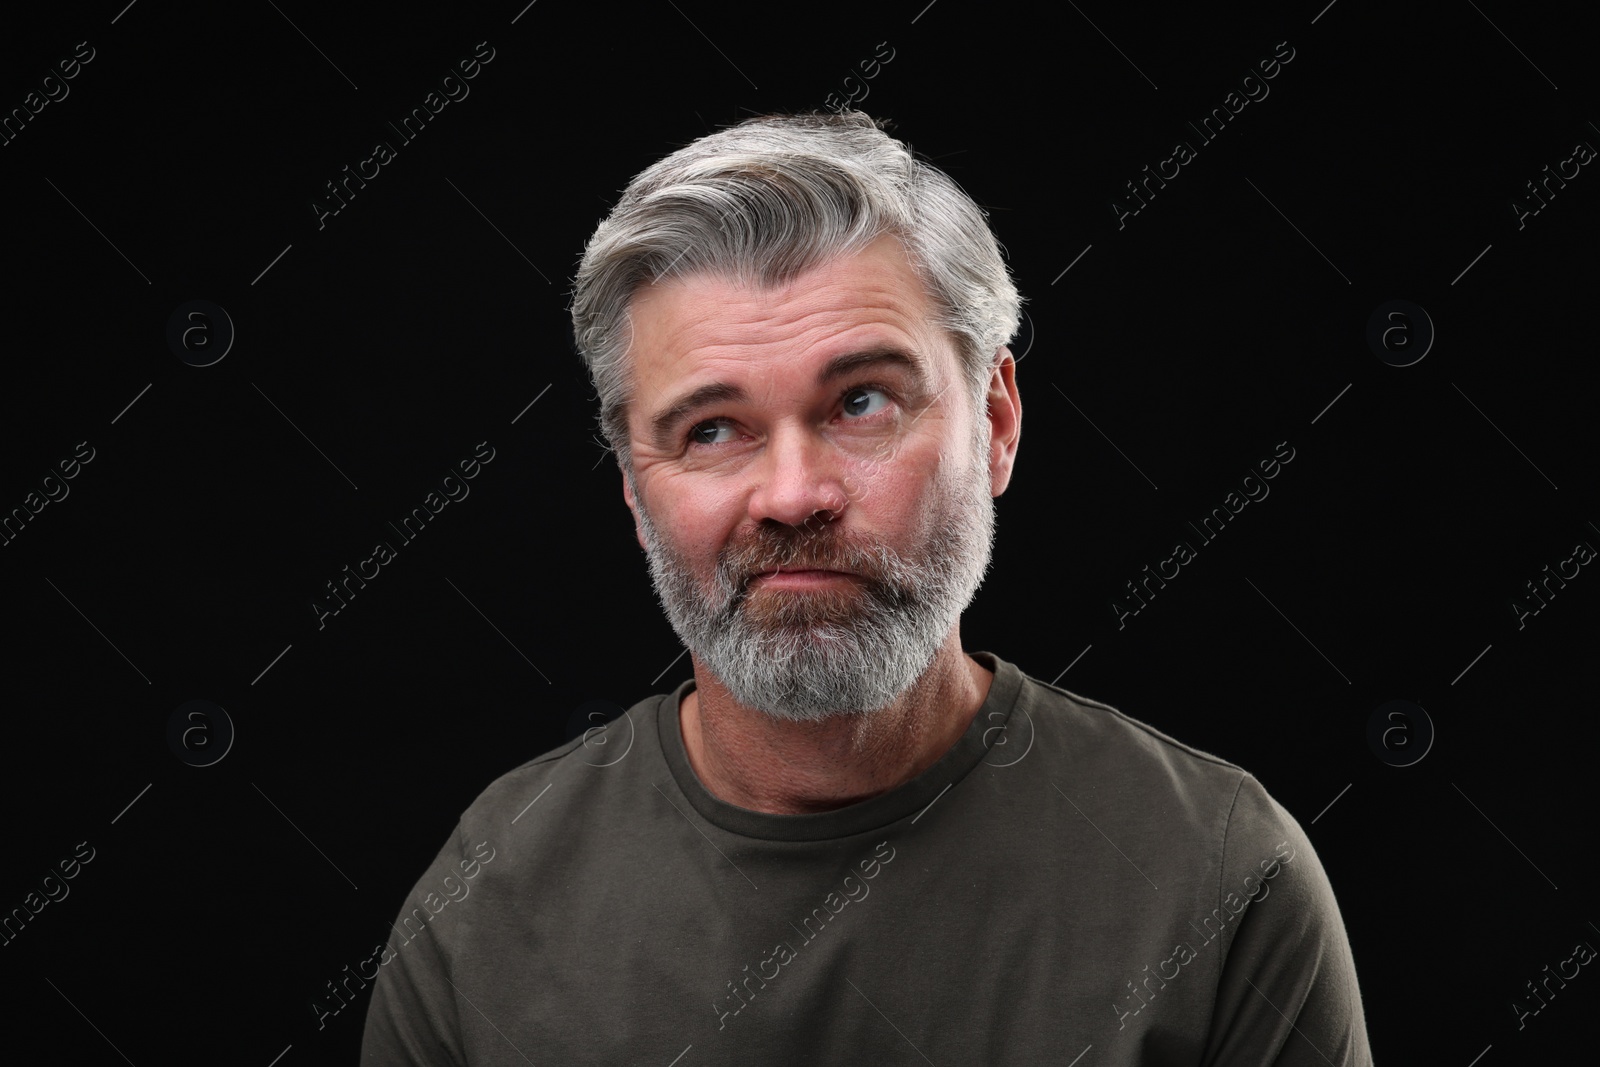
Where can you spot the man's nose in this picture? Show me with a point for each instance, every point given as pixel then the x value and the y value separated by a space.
pixel 800 474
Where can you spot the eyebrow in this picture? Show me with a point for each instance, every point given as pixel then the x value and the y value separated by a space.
pixel 664 424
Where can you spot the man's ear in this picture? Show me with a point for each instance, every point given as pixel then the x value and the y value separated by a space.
pixel 633 506
pixel 1005 419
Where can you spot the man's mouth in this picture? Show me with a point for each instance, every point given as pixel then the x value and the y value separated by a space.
pixel 798 575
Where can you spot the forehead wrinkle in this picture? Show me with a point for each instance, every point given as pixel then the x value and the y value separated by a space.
pixel 687 338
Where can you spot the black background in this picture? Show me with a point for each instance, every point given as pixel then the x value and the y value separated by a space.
pixel 375 352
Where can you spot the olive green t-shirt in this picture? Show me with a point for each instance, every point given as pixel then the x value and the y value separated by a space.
pixel 1066 885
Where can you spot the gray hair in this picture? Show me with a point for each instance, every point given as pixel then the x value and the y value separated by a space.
pixel 768 199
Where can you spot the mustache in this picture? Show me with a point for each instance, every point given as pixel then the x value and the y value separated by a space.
pixel 802 555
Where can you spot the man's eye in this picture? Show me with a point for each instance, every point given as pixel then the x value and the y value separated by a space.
pixel 699 434
pixel 694 437
pixel 864 389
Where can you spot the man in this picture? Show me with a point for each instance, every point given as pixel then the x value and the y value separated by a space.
pixel 850 840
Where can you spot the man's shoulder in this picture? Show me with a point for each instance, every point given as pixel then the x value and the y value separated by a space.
pixel 1138 782
pixel 579 773
pixel 1092 748
pixel 1093 727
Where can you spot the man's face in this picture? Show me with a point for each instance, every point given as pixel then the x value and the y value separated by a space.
pixel 730 488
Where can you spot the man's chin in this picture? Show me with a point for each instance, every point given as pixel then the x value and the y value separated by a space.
pixel 782 638
pixel 790 620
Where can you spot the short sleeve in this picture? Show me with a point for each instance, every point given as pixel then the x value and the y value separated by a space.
pixel 1287 995
pixel 411 1020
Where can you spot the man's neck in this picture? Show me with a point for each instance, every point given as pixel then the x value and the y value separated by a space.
pixel 749 759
